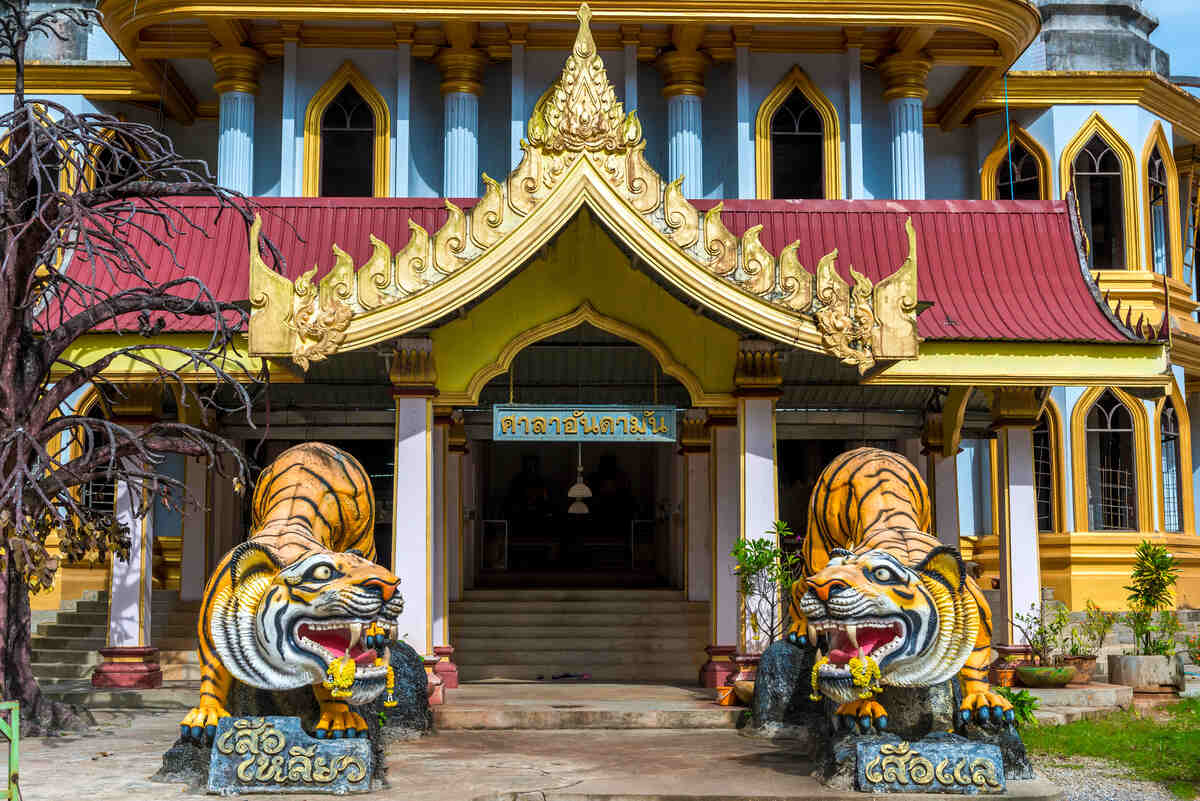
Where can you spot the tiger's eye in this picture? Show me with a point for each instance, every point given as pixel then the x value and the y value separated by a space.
pixel 322 572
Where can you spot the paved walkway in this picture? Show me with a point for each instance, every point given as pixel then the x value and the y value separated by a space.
pixel 115 762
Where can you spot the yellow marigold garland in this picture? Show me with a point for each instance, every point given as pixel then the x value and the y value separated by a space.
pixel 865 674
pixel 816 691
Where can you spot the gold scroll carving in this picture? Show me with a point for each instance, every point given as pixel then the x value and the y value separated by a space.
pixel 578 121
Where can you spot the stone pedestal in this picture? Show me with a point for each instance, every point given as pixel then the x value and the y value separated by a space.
pixel 437 688
pixel 446 667
pixel 782 709
pixel 719 668
pixel 128 668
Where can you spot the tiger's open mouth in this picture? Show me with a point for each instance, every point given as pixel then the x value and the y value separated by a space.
pixel 337 638
pixel 871 637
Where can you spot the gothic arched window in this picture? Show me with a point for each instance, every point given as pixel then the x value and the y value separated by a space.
pixel 797 145
pixel 347 146
pixel 1018 177
pixel 1156 172
pixel 1112 504
pixel 1168 430
pixel 1097 174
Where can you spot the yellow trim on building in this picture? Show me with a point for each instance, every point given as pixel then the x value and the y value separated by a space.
pixel 1144 476
pixel 1174 232
pixel 347 74
pixel 1084 566
pixel 1097 125
pixel 987 176
pixel 797 81
pixel 1028 364
pixel 125 370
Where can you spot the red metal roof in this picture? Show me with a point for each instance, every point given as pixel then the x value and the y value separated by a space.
pixel 993 270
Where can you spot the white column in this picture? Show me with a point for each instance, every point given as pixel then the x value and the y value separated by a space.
pixel 454 522
pixel 440 566
pixel 288 185
pixel 759 483
pixel 726 471
pixel 1020 571
pixel 908 147
pixel 460 176
pixel 517 105
pixel 195 532
pixel 698 521
pixel 412 519
pixel 403 112
pixel 854 126
pixel 746 168
pixel 235 147
pixel 945 498
pixel 685 153
pixel 131 581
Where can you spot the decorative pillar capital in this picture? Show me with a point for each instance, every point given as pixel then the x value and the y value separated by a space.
pixel 693 431
pixel 683 68
pixel 904 76
pixel 403 32
pixel 1017 407
pixel 237 69
pixel 461 64
pixel 289 30
pixel 412 370
pixel 759 370
pixel 631 34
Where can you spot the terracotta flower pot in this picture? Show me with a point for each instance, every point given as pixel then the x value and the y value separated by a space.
pixel 1038 676
pixel 1084 666
pixel 743 680
pixel 1002 676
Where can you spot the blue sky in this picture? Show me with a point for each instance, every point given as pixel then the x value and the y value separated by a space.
pixel 1178 32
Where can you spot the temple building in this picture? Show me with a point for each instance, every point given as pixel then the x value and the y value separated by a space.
pixel 599 291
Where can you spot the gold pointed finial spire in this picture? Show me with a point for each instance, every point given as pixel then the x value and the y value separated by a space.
pixel 580 110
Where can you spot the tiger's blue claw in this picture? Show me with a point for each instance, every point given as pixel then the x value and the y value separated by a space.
pixel 965 715
pixel 865 723
pixel 195 731
pixel 1009 715
pixel 210 731
pixel 982 714
pixel 322 734
pixel 998 715
pixel 881 723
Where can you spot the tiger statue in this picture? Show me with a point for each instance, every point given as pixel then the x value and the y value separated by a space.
pixel 291 605
pixel 892 604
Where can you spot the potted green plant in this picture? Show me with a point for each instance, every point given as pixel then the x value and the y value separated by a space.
pixel 1152 665
pixel 1086 639
pixel 764 574
pixel 1043 632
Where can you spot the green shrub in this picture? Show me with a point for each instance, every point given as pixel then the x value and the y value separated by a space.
pixel 1155 572
pixel 1024 705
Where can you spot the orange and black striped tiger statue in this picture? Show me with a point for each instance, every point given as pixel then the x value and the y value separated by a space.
pixel 891 604
pixel 302 600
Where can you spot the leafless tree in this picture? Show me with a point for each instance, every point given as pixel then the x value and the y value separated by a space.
pixel 74 189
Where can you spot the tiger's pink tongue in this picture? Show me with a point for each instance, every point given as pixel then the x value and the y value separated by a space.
pixel 843 649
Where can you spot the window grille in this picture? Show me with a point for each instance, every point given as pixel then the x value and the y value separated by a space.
pixel 1169 435
pixel 797 149
pixel 1020 180
pixel 1043 475
pixel 1159 230
pixel 1111 499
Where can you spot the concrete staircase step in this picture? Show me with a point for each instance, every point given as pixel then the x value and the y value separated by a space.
pixel 616 642
pixel 577 606
pixel 450 716
pixel 68 643
pixel 66 656
pixel 673 672
pixel 591 596
pixel 72 631
pixel 61 670
pixel 1109 696
pixel 574 657
pixel 1057 716
pixel 528 620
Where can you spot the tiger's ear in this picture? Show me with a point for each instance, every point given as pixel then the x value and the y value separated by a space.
pixel 839 552
pixel 248 560
pixel 946 565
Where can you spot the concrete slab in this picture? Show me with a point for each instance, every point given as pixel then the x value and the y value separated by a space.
pixel 581 705
pixel 603 765
pixel 1112 696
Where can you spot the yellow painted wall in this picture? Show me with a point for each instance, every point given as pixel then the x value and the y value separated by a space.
pixel 583 264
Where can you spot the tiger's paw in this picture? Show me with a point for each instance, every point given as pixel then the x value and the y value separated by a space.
pixel 986 707
pixel 201 723
pixel 863 715
pixel 798 632
pixel 339 721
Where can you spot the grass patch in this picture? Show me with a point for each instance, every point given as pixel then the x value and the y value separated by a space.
pixel 1164 750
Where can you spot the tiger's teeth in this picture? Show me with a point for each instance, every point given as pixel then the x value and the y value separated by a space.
pixel 852 634
pixel 355 633
pixel 812 632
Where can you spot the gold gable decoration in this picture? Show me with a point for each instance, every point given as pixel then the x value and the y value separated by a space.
pixel 579 119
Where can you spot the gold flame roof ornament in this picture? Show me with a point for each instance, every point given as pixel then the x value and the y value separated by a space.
pixel 581 143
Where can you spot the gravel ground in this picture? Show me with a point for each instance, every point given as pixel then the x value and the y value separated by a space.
pixel 1086 779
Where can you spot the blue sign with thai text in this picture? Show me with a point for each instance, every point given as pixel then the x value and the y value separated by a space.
pixel 583 423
